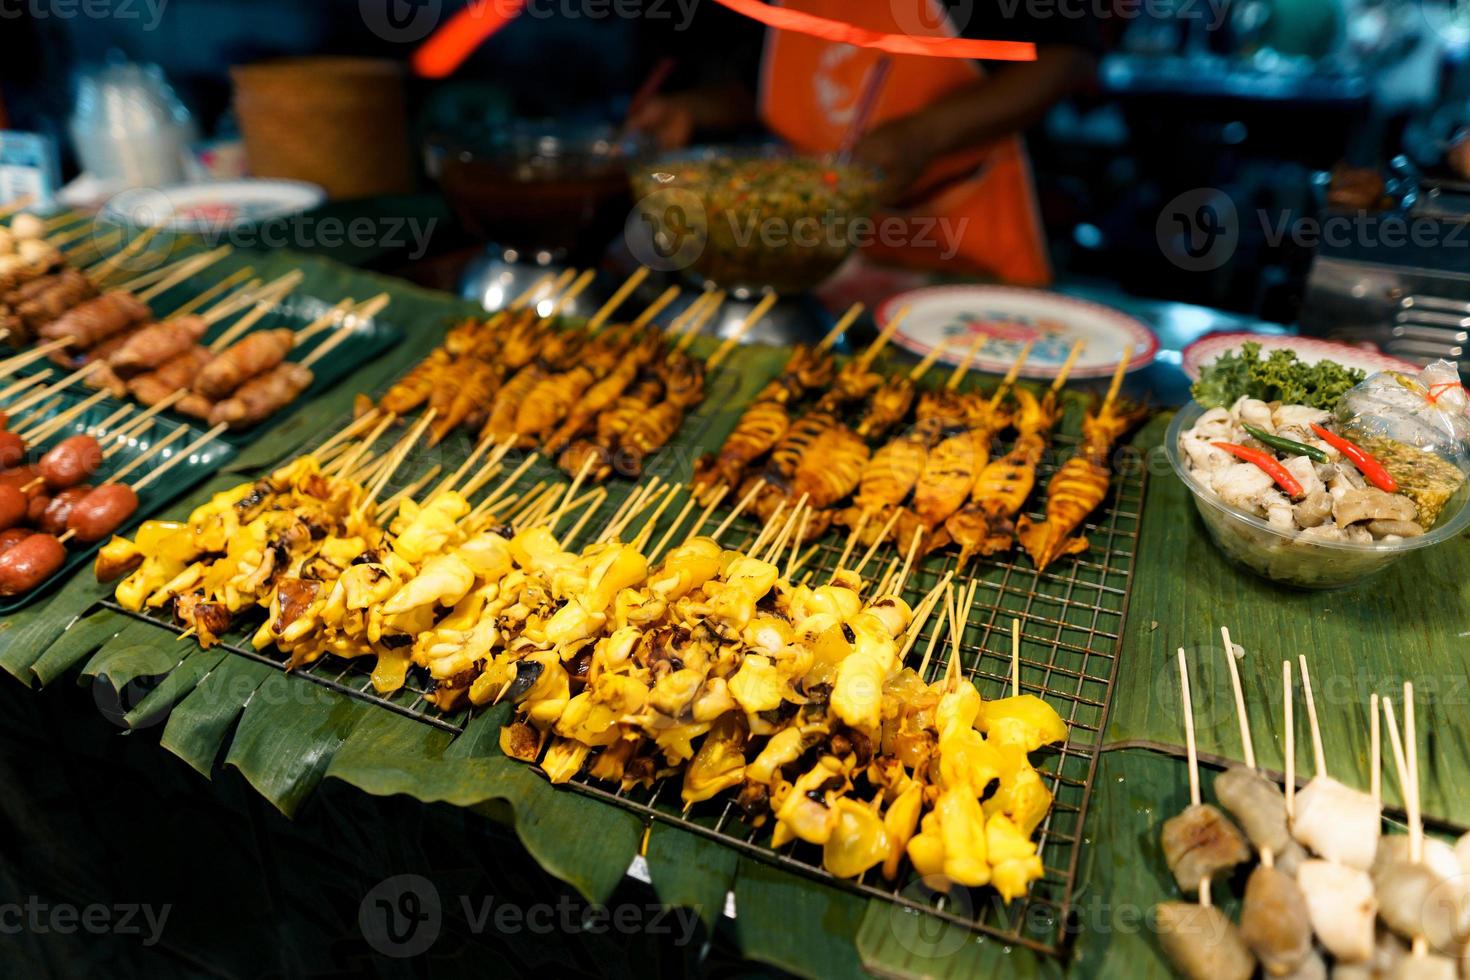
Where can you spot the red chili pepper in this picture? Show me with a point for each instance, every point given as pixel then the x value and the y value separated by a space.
pixel 1268 463
pixel 1373 471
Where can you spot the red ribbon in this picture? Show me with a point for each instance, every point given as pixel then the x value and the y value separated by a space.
pixel 841 32
pixel 448 47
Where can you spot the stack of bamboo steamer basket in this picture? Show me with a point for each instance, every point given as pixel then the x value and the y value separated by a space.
pixel 337 122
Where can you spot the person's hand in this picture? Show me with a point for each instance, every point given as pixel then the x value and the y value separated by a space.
pixel 900 151
pixel 668 119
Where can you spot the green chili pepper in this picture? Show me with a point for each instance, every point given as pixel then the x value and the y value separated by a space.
pixel 1284 444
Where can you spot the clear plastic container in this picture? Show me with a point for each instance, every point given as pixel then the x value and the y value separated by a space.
pixel 1282 556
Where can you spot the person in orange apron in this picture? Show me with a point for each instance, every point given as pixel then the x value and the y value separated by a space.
pixel 945 132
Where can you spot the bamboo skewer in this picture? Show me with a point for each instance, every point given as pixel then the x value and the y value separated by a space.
pixel 153 450
pixel 1289 723
pixel 739 508
pixel 678 328
pixel 595 500
pixel 184 453
pixel 1192 753
pixel 1375 751
pixel 49 427
pixel 192 267
pixel 840 327
pixel 576 485
pixel 1011 375
pixel 616 300
pixel 668 535
pixel 922 368
pixel 391 505
pixel 220 288
pixel 751 319
pixel 16 206
pixel 655 308
pixel 877 542
pixel 1245 727
pixel 713 303
pixel 866 358
pixel 720 493
pixel 576 289
pixel 105 268
pixel 1066 369
pixel 1015 657
pixel 963 367
pixel 641 538
pixel 46 392
pixel 1319 757
pixel 852 539
pixel 265 304
pixel 1118 372
pixel 15 362
pixel 350 460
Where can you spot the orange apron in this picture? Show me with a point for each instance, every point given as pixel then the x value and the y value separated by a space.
pixel 809 93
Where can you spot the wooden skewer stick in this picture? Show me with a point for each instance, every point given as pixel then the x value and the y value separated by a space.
pixel 1011 375
pixel 1245 726
pixel 104 269
pixel 1416 809
pixel 720 493
pixel 744 502
pixel 866 358
pixel 367 310
pixel 348 431
pixel 84 371
pixel 595 500
pixel 1072 355
pixel 134 432
pixel 922 612
pixel 549 294
pixel 771 522
pixel 796 543
pixel 840 327
pixel 193 267
pixel 641 538
pixel 576 485
pixel 1015 657
pixel 391 505
pixel 852 539
pixel 182 454
pixel 882 586
pixel 492 468
pixel 165 278
pixel 505 485
pixel 535 290
pixel 908 561
pixel 329 320
pixel 617 299
pixel 787 527
pixel 922 368
pixel 678 325
pixel 452 480
pixel 89 250
pixel 668 536
pixel 350 460
pixel 1118 373
pixel 577 288
pixel 1375 751
pixel 529 501
pixel 68 217
pixel 152 451
pixel 655 308
pixel 877 542
pixel 751 319
pixel 1289 723
pixel 696 323
pixel 265 304
pixel 106 424
pixel 396 456
pixel 73 236
pixel 939 627
pixel 134 426
pixel 617 515
pixel 633 506
pixel 15 362
pixel 48 428
pixel 1319 757
pixel 15 388
pixel 958 374
pixel 252 292
pixel 1191 751
pixel 218 289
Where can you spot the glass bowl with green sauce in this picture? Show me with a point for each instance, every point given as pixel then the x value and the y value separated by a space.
pixel 747 219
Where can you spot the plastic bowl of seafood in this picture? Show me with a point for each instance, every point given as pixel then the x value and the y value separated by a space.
pixel 751 218
pixel 1287 556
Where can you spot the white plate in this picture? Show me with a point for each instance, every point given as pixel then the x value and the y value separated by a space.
pixel 1309 350
pixel 1013 316
pixel 212 206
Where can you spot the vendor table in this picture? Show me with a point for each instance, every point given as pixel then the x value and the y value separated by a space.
pixel 96 813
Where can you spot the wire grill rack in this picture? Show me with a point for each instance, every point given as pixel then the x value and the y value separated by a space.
pixel 1071 620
